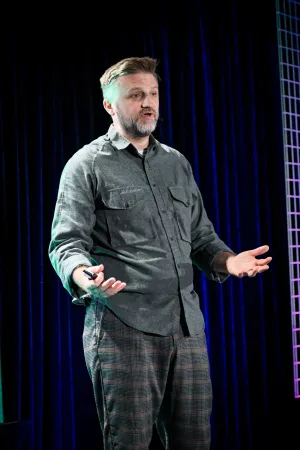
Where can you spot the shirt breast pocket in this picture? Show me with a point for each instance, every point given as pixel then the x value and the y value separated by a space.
pixel 182 209
pixel 128 217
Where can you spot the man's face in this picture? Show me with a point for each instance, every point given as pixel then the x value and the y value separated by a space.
pixel 136 104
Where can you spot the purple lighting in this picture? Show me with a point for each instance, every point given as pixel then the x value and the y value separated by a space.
pixel 288 32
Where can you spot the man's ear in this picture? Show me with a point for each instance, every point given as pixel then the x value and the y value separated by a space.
pixel 108 107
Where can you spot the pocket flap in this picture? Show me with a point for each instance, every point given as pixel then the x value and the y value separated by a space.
pixel 179 194
pixel 122 198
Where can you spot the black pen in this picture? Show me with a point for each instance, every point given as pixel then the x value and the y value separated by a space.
pixel 92 276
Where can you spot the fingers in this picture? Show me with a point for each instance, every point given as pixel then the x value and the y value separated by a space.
pixel 106 288
pixel 259 250
pixel 97 269
pixel 262 269
pixel 106 284
pixel 112 288
pixel 252 272
pixel 101 288
pixel 99 279
pixel 263 262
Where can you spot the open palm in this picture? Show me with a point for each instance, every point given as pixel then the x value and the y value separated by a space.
pixel 246 263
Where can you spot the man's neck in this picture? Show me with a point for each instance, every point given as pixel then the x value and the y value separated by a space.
pixel 138 143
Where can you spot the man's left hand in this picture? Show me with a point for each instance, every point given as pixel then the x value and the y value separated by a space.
pixel 246 264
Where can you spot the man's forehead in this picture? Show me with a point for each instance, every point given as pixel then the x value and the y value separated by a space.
pixel 137 80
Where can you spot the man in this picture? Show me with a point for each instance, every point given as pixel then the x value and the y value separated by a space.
pixel 130 213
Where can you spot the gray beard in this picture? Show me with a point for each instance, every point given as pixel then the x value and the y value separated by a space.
pixel 134 129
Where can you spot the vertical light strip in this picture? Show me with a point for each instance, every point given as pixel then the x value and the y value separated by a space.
pixel 288 28
pixel 3 174
pixel 1 401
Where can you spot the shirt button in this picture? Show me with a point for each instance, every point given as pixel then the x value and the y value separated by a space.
pixel 178 266
pixel 172 238
pixel 163 210
pixel 154 185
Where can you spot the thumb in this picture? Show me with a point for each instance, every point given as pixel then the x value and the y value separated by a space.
pixel 98 269
pixel 259 250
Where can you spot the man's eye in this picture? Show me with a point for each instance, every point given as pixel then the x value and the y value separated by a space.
pixel 138 95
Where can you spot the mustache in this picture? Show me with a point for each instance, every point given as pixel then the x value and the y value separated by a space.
pixel 152 112
pixel 147 111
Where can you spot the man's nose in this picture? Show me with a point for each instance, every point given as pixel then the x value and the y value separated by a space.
pixel 148 101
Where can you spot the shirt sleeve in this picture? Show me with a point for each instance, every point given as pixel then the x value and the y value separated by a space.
pixel 206 244
pixel 73 221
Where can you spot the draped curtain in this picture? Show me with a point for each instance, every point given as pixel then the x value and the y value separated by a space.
pixel 220 104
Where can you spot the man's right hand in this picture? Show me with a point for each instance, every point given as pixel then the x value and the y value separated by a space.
pixel 98 287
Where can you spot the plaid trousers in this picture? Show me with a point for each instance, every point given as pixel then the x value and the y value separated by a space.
pixel 141 379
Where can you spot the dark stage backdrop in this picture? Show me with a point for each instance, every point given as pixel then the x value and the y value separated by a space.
pixel 220 101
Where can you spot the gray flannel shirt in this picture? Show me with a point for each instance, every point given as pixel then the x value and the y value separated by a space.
pixel 144 219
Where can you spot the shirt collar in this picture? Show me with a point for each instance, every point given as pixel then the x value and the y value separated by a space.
pixel 120 142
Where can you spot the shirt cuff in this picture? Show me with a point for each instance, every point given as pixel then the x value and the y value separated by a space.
pixel 67 279
pixel 218 275
pixel 205 261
